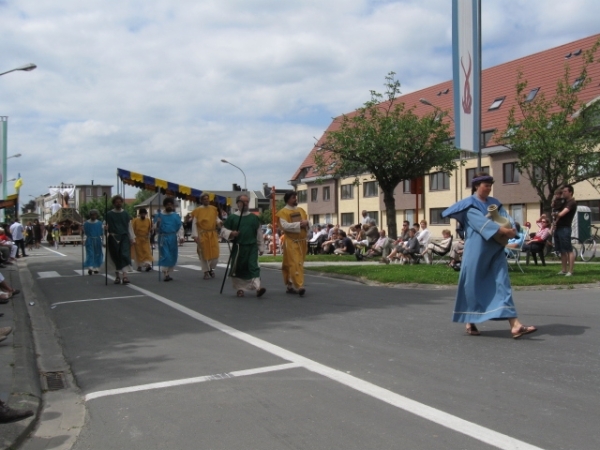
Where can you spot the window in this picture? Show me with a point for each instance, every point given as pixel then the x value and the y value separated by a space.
pixel 314 194
pixel 326 193
pixel 347 191
pixel 497 103
pixel 486 136
pixel 409 214
pixel 516 211
pixel 510 174
pixel 577 83
pixel 374 215
pixel 301 196
pixel 315 219
pixel 370 189
pixel 439 181
pixel 531 95
pixel 303 172
pixel 328 218
pixel 594 205
pixel 406 186
pixel 470 174
pixel 347 219
pixel 88 192
pixel 435 217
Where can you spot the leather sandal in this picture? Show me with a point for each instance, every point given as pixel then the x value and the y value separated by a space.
pixel 117 280
pixel 472 330
pixel 126 280
pixel 523 330
pixel 240 293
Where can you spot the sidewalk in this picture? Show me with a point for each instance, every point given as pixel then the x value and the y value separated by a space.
pixel 19 381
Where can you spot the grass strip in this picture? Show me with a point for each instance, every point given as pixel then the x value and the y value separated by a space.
pixel 444 275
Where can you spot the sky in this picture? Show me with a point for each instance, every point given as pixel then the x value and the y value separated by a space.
pixel 168 89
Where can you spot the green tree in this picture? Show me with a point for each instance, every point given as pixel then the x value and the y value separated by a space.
pixel 267 215
pixel 142 195
pixel 28 207
pixel 555 138
pixel 96 203
pixel 389 141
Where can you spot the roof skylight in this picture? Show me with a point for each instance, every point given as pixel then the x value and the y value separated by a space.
pixel 497 103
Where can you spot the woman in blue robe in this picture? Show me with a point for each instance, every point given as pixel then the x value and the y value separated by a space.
pixel 168 225
pixel 94 231
pixel 484 290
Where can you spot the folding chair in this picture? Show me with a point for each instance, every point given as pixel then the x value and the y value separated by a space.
pixel 515 253
pixel 441 255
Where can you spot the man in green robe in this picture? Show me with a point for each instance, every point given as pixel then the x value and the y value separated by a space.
pixel 244 230
pixel 120 238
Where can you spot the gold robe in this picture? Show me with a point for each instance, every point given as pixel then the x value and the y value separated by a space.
pixel 142 251
pixel 205 219
pixel 294 245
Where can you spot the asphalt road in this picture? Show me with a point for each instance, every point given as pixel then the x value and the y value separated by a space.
pixel 176 365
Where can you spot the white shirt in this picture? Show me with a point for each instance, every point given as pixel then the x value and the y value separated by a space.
pixel 16 229
pixel 54 208
pixel 423 236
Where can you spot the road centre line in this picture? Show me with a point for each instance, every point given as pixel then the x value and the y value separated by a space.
pixel 184 381
pixel 94 299
pixel 491 437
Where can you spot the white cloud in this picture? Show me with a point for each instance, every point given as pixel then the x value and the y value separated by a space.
pixel 170 88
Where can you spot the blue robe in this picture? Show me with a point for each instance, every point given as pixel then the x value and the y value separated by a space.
pixel 93 243
pixel 484 290
pixel 168 226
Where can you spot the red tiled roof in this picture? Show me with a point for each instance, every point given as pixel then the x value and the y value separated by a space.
pixel 542 70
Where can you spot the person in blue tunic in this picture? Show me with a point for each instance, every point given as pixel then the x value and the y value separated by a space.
pixel 168 226
pixel 484 290
pixel 94 231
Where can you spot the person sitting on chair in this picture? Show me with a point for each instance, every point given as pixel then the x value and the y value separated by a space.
pixel 440 247
pixel 411 248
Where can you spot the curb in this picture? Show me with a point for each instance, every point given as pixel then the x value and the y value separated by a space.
pixel 61 414
pixel 25 387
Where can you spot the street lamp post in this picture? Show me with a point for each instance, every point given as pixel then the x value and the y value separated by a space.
pixel 227 162
pixel 26 68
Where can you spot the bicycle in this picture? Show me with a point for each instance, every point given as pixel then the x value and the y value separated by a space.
pixel 590 245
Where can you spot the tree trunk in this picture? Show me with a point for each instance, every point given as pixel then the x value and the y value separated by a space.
pixel 390 213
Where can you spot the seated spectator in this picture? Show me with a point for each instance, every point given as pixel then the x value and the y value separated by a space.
pixel 330 245
pixel 371 235
pixel 440 247
pixel 346 246
pixel 401 247
pixel 335 229
pixel 6 291
pixel 7 247
pixel 378 248
pixel 424 235
pixel 456 251
pixel 411 248
pixel 538 241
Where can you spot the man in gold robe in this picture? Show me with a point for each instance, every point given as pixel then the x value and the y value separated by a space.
pixel 294 222
pixel 142 227
pixel 205 220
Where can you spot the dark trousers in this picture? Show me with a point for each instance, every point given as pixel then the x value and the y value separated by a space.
pixel 20 243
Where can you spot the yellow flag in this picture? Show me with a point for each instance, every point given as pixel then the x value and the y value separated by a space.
pixel 18 183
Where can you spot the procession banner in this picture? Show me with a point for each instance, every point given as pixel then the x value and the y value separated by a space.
pixel 3 142
pixel 466 73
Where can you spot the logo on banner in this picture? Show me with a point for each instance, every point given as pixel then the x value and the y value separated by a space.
pixel 467 100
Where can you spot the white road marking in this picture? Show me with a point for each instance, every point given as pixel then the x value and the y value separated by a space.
pixel 54 251
pixel 189 266
pixel 447 420
pixel 94 299
pixel 184 381
pixel 50 274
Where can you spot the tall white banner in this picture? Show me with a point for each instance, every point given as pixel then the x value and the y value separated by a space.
pixel 3 128
pixel 466 62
